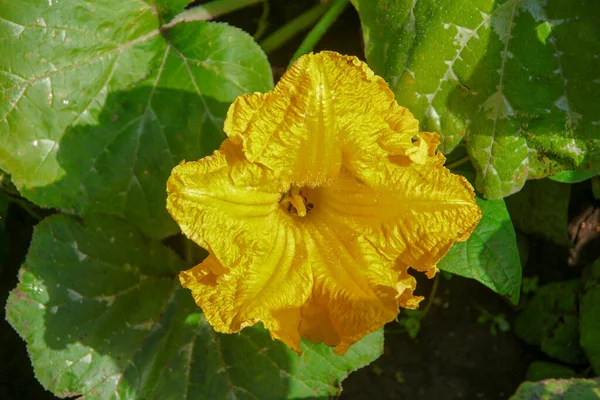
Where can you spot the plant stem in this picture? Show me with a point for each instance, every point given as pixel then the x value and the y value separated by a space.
pixel 263 21
pixel 210 11
pixel 292 28
pixel 320 28
pixel 7 186
pixel 458 162
pixel 431 296
pixel 25 205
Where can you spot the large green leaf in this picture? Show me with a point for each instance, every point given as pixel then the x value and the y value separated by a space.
pixel 559 389
pixel 99 102
pixel 103 315
pixel 490 255
pixel 542 209
pixel 589 314
pixel 541 370
pixel 170 8
pixel 575 176
pixel 517 78
pixel 550 320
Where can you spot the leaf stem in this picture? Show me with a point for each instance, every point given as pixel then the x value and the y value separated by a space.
pixel 292 28
pixel 316 33
pixel 458 162
pixel 434 289
pixel 263 22
pixel 210 11
pixel 26 206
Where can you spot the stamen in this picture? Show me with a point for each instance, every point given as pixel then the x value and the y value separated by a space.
pixel 295 201
pixel 298 203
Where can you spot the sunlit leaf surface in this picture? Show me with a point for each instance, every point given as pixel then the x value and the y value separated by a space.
pixel 517 79
pixel 99 102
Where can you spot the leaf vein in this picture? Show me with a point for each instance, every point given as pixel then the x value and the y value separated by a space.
pixel 459 52
pixel 90 60
pixel 286 372
pixel 568 111
pixel 222 359
pixel 502 67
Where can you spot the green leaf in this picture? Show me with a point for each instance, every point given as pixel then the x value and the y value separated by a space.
pixel 104 316
pixel 589 314
pixel 510 76
pixel 574 176
pixel 542 208
pixel 170 8
pixel 94 119
pixel 490 255
pixel 550 321
pixel 563 389
pixel 6 184
pixel 530 285
pixel 540 370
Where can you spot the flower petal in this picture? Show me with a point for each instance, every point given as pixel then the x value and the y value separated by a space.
pixel 226 205
pixel 355 290
pixel 271 291
pixel 291 129
pixel 406 286
pixel 307 286
pixel 414 213
pixel 327 107
pixel 371 199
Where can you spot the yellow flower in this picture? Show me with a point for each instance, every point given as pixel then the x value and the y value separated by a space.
pixel 314 208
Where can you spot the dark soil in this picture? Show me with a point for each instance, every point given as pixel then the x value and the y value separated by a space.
pixel 453 356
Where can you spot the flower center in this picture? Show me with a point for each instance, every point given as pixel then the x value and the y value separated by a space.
pixel 295 202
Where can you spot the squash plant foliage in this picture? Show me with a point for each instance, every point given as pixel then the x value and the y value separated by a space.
pixel 102 99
